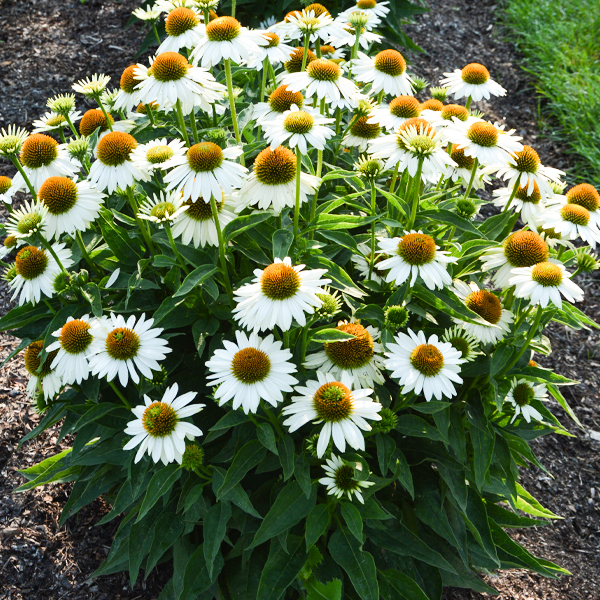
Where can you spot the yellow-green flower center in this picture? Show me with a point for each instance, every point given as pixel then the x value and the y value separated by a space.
pixel 362 129
pixel 324 69
pixel 31 262
pixel 160 419
pixel 250 365
pixel 523 394
pixel 333 402
pixel 75 336
pixel 547 274
pixel 527 160
pixel 5 183
pixel 162 210
pixel 427 359
pixel 122 343
pixel 158 154
pixel 32 359
pixel 534 198
pixel 59 194
pixel 56 121
pixel 344 479
pixel 201 210
pixel 29 222
pixel 462 161
pixel 279 282
pixel 574 213
pixel 299 122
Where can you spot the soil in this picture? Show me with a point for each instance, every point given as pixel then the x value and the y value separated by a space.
pixel 45 45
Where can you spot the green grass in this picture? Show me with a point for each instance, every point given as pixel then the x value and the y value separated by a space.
pixel 561 43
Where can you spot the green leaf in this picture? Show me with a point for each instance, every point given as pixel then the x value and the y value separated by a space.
pixel 402 586
pixel 415 426
pixel 286 456
pixel 289 508
pixel 448 217
pixel 282 240
pixel 194 279
pixel 160 484
pixel 196 579
pixel 359 565
pixel 167 531
pixel 266 436
pixel 353 520
pixel 331 335
pixel 97 411
pixel 215 528
pixel 483 451
pixel 321 591
pixel 528 504
pixel 316 524
pixel 477 522
pixel 563 402
pixel 241 224
pixel 91 293
pixel 281 569
pixel 341 239
pixel 237 495
pixel 245 459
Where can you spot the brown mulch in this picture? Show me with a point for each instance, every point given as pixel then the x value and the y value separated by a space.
pixel 47 44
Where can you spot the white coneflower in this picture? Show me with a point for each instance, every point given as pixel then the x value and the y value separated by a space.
pixel 398 111
pixel 47 377
pixel 171 78
pixel 464 342
pixel 481 140
pixel 152 155
pixel 379 9
pixel 544 282
pixel 27 220
pixel 412 255
pixel 584 195
pixel 361 357
pixel 184 29
pixel 72 346
pixel 272 183
pixel 205 170
pixel 340 479
pixel 159 428
pixel 276 51
pixel 11 140
pixel 362 262
pixel 8 188
pixel 126 98
pixel 300 128
pixel 92 86
pixel 520 396
pixel 94 119
pixel 526 168
pixel 386 72
pixel 52 121
pixel 520 249
pixel 495 319
pixel 161 208
pixel 448 115
pixel 36 271
pixel 125 347
pixel 347 36
pixel 226 39
pixel 342 411
pixel 278 294
pixel 472 81
pixel 314 21
pixel 361 134
pixel 424 365
pixel 571 221
pixel 146 14
pixel 251 370
pixel 42 157
pixel 71 205
pixel 464 170
pixel 195 221
pixel 113 167
pixel 528 204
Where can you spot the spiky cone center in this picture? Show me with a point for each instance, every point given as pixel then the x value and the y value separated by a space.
pixel 122 343
pixel 32 359
pixel 115 148
pixel 275 167
pixel 389 420
pixel 93 119
pixel 584 195
pixel 416 248
pixel 162 210
pixel 250 365
pixel 547 274
pixel 486 305
pixel 405 107
pixel 169 66
pixel 56 121
pixel 316 8
pixel 200 210
pixel 159 419
pixel 475 74
pixel 324 69
pixel 454 110
pixel 527 160
pixel 279 281
pixel 5 183
pixel 299 122
pixel 28 223
pixel 282 99
pixel 534 198
pixel 192 458
pixel 204 157
pixel 353 353
pixel 58 194
pixel 223 29
pixel 390 62
pixel 432 104
pixel 39 150
pixel 326 49
pixel 362 129
pixel 333 402
pixel 127 82
pixel 575 214
pixel 294 64
pixel 273 39
pixel 422 145
pixel 461 344
pixel 525 249
pixel 10 241
pixel 180 20
pixel 31 262
pixel 466 208
pixel 462 161
pixel 366 4
pixel 159 154
pixel 483 134
pixel 9 144
pixel 75 336
pixel 371 168
pixel 344 479
pixel 330 305
pixel 421 125
pixel 9 273
pixel 427 359
pixel 142 109
pixel 523 394
pixel 397 316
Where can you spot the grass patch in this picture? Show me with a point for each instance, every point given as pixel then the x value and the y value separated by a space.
pixel 561 43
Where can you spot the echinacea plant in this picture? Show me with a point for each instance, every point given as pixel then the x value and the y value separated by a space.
pixel 257 287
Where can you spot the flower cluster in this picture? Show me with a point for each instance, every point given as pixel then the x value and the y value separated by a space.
pixel 274 221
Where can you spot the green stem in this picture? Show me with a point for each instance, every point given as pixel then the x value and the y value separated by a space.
pixel 48 247
pixel 263 84
pixel 373 212
pixel 475 163
pixel 416 194
pixel 512 195
pixel 236 129
pixel 85 253
pixel 156 33
pixel 469 100
pixel 560 252
pixel 174 247
pixel 394 178
pixel 62 136
pixel 380 97
pixel 118 393
pixel 206 15
pixel 233 8
pixel 532 332
pixel 297 204
pixel 356 43
pixel 68 120
pixel 108 121
pixel 318 47
pixel 149 113
pixel 182 126
pixel 305 54
pixel 194 127
pixel 222 258
pixel 17 164
pixel 141 225
pixel 49 305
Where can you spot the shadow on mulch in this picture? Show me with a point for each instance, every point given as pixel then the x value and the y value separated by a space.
pixel 47 44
